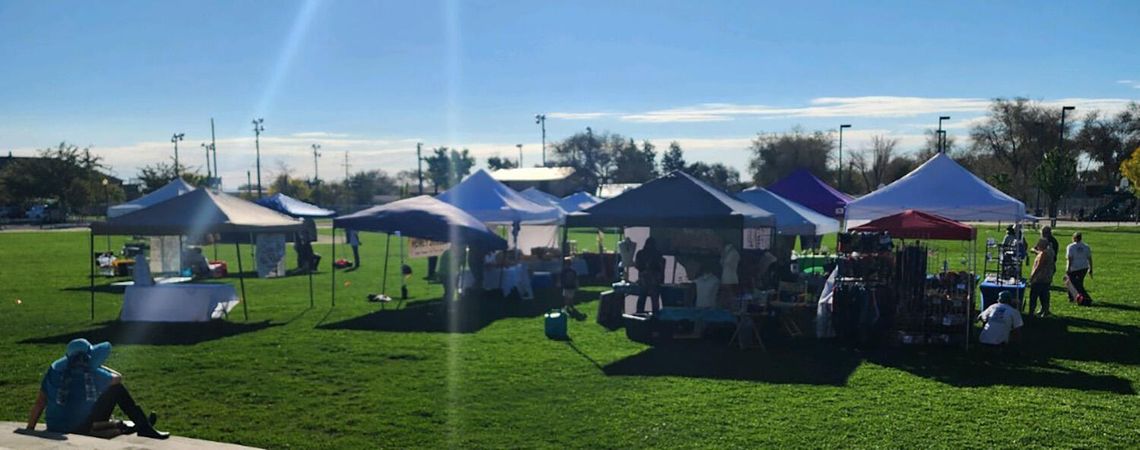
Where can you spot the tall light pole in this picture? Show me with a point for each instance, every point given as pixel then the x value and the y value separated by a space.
pixel 209 171
pixel 214 148
pixel 942 134
pixel 174 139
pixel 841 127
pixel 520 154
pixel 316 173
pixel 541 120
pixel 1061 144
pixel 258 127
pixel 420 165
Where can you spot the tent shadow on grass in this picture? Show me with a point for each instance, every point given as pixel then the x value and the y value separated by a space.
pixel 470 315
pixel 811 363
pixel 156 333
pixel 1031 365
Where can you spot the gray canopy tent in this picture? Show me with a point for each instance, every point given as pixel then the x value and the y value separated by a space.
pixel 197 213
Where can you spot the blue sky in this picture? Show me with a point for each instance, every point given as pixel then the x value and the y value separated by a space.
pixel 372 78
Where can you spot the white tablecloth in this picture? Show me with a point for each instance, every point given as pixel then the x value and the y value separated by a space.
pixel 177 302
pixel 514 277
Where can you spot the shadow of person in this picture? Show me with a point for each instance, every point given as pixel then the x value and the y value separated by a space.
pixel 799 363
pixel 156 333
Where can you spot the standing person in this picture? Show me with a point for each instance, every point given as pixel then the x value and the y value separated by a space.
pixel 569 281
pixel 1047 234
pixel 1079 263
pixel 1041 277
pixel 650 274
pixel 353 238
pixel 79 394
pixel 1000 322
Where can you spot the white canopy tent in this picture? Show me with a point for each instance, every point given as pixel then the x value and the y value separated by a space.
pixel 171 190
pixel 494 203
pixel 939 186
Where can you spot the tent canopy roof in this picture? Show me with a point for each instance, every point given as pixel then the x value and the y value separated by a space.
pixel 537 196
pixel 943 187
pixel 808 190
pixel 199 212
pixel 791 218
pixel 578 201
pixel 423 217
pixel 171 190
pixel 533 174
pixel 674 200
pixel 288 205
pixel 493 202
pixel 911 224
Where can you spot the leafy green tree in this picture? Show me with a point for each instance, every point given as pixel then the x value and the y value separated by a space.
pixel 775 156
pixel 1130 169
pixel 1056 176
pixel 363 186
pixel 154 176
pixel 673 159
pixel 592 155
pixel 633 164
pixel 67 174
pixel 497 163
pixel 717 174
pixel 447 166
pixel 1017 133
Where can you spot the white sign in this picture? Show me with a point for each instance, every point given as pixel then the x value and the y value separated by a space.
pixel 757 238
pixel 422 248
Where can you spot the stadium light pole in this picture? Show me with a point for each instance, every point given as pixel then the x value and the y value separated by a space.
pixel 520 154
pixel 174 139
pixel 942 134
pixel 209 171
pixel 541 120
pixel 420 165
pixel 316 173
pixel 841 127
pixel 258 127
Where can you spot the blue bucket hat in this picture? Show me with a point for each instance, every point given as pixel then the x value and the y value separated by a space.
pixel 96 354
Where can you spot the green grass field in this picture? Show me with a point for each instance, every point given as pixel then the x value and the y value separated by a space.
pixel 355 376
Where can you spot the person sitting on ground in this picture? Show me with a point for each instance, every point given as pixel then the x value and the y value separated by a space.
pixel 79 394
pixel 193 259
pixel 1001 322
pixel 569 280
pixel 1041 277
pixel 1078 264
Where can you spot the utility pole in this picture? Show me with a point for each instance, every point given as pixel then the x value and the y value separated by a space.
pixel 841 127
pixel 420 165
pixel 257 129
pixel 520 154
pixel 177 137
pixel 209 175
pixel 214 148
pixel 345 169
pixel 316 154
pixel 541 120
pixel 248 185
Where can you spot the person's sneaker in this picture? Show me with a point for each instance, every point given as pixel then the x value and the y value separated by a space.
pixel 150 432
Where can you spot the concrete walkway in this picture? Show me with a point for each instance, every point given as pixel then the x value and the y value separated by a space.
pixel 13 436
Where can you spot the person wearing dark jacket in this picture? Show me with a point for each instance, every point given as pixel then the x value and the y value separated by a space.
pixel 650 274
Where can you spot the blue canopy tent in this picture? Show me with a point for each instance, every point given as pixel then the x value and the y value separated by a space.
pixel 674 200
pixel 791 218
pixel 290 206
pixel 537 196
pixel 421 217
pixel 578 201
pixel 490 201
pixel 806 189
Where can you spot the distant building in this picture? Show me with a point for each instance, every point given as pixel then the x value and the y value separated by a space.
pixel 559 181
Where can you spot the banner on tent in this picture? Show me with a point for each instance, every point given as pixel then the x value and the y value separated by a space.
pixel 423 248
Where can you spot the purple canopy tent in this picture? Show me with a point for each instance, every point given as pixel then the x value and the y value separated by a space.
pixel 804 188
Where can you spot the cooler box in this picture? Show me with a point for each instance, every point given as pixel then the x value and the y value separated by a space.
pixel 556 325
pixel 610 309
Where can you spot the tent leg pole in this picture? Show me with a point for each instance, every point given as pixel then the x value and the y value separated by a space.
pixel 332 288
pixel 91 287
pixel 241 280
pixel 384 281
pixel 311 286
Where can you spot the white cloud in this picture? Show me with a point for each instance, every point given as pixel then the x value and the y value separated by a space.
pixel 580 115
pixel 318 134
pixel 865 107
pixel 1130 83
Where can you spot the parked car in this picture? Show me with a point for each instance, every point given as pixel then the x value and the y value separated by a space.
pixel 44 213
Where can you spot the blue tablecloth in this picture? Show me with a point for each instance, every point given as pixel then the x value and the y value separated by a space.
pixel 692 314
pixel 990 292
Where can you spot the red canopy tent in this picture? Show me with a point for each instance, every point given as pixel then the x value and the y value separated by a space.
pixel 911 224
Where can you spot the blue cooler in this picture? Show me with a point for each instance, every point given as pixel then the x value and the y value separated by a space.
pixel 556 325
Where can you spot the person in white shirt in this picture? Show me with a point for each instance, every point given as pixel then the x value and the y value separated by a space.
pixel 1079 264
pixel 1000 321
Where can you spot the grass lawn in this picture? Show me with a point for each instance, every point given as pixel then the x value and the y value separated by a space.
pixel 357 376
